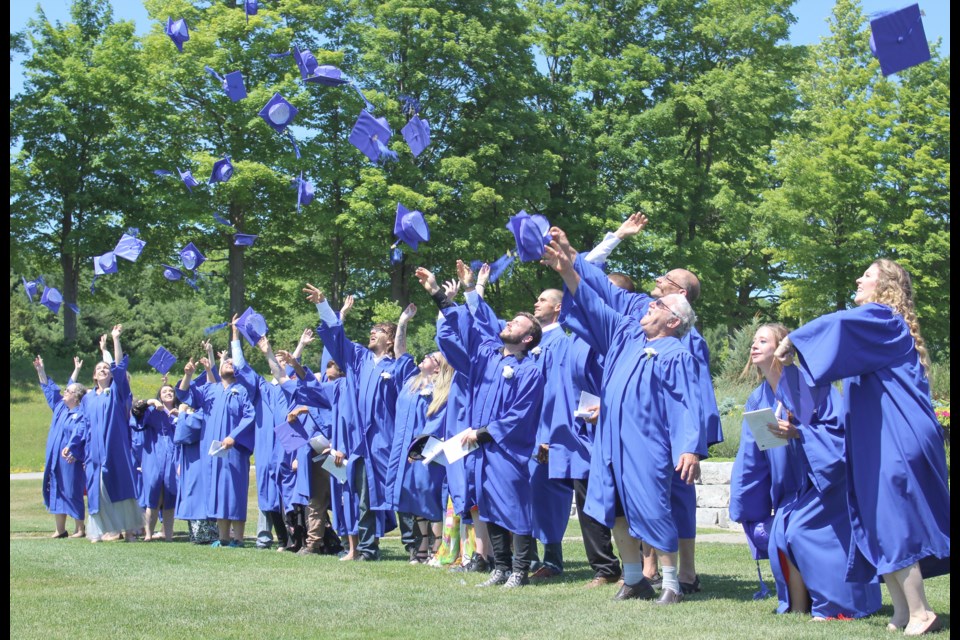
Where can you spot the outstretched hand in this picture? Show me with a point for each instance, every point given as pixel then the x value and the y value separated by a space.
pixel 483 276
pixel 427 279
pixel 408 313
pixel 632 225
pixel 314 294
pixel 307 336
pixel 450 289
pixel 347 306
pixel 116 331
pixel 465 274
pixel 555 258
pixel 785 352
pixel 560 237
pixel 38 363
pixel 77 362
pixel 189 368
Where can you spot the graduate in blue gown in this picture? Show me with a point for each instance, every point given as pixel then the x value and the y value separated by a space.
pixel 156 420
pixel 650 423
pixel 369 373
pixel 105 448
pixel 805 483
pixel 193 471
pixel 414 488
pixel 683 496
pixel 229 420
pixel 897 493
pixel 507 391
pixel 63 482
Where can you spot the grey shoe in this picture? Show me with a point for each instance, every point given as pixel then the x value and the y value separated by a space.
pixel 516 580
pixel 496 577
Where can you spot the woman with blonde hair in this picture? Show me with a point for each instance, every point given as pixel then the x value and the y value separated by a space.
pixel 804 483
pixel 415 489
pixel 897 494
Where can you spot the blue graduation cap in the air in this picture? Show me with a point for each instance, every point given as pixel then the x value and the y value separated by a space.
pixel 250 8
pixel 498 267
pixel 416 132
pixel 186 176
pixel 178 32
pixel 232 84
pixel 410 227
pixel 244 239
pixel 291 435
pixel 222 170
pixel 107 263
pixel 252 326
pixel 51 299
pixel 30 287
pixel 171 273
pixel 897 39
pixel 532 234
pixel 162 360
pixel 222 220
pixel 279 113
pixel 370 135
pixel 191 257
pixel 129 246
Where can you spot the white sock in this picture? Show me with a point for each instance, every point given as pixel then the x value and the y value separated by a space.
pixel 670 578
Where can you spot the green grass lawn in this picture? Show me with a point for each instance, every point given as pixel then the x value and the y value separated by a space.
pixel 179 590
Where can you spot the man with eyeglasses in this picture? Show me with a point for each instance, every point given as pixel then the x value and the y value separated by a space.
pixel 675 281
pixel 650 425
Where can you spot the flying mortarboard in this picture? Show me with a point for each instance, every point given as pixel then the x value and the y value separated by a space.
pixel 30 286
pixel 278 113
pixel 162 360
pixel 171 273
pixel 417 134
pixel 232 84
pixel 178 32
pixel 72 307
pixel 250 7
pixel 305 192
pixel 222 170
pixel 370 135
pixel 291 435
pixel 215 328
pixel 221 220
pixel 532 234
pixel 129 247
pixel 244 239
pixel 497 268
pixel 188 180
pixel 758 539
pixel 410 227
pixel 191 257
pixel 897 39
pixel 107 263
pixel 51 299
pixel 252 326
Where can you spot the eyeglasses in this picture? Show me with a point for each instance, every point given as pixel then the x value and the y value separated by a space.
pixel 661 305
pixel 669 280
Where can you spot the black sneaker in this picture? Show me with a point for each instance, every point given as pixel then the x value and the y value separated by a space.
pixel 476 564
pixel 497 577
pixel 516 580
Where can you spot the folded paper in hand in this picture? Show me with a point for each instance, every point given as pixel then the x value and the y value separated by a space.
pixel 433 452
pixel 217 449
pixel 453 450
pixel 587 400
pixel 319 443
pixel 340 473
pixel 758 422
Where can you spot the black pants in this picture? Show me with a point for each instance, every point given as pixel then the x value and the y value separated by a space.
pixel 409 532
pixel 507 557
pixel 279 526
pixel 597 539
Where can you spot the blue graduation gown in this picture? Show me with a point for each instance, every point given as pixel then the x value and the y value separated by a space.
pixel 649 416
pixel 807 488
pixel 414 487
pixel 194 465
pixel 229 412
pixel 897 495
pixel 461 475
pixel 636 304
pixel 106 442
pixel 372 383
pixel 266 399
pixel 63 482
pixel 157 464
pixel 508 405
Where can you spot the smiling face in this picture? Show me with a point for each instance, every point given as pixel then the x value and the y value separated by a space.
pixel 866 285
pixel 102 375
pixel 660 320
pixel 762 348
pixel 167 396
pixel 71 396
pixel 226 368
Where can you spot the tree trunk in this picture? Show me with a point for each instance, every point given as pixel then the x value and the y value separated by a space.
pixel 71 284
pixel 235 279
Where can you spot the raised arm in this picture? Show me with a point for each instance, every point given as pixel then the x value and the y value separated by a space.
pixel 400 341
pixel 117 349
pixel 305 338
pixel 287 359
pixel 633 225
pixel 483 277
pixel 188 370
pixel 104 352
pixel 278 372
pixel 77 365
pixel 41 373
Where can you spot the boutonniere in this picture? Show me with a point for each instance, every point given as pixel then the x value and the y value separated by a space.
pixel 536 351
pixel 650 351
pixel 427 391
pixel 508 372
pixel 386 375
pixel 234 391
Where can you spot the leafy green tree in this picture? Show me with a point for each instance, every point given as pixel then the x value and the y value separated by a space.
pixel 71 129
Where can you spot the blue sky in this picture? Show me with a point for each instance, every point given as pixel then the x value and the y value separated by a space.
pixel 811 23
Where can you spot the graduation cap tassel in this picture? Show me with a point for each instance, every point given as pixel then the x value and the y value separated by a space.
pixel 764 591
pixel 214 73
pixel 365 101
pixel 276 56
pixel 293 141
pixel 93 283
pixel 214 328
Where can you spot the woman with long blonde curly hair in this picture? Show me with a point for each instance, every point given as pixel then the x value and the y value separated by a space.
pixel 897 494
